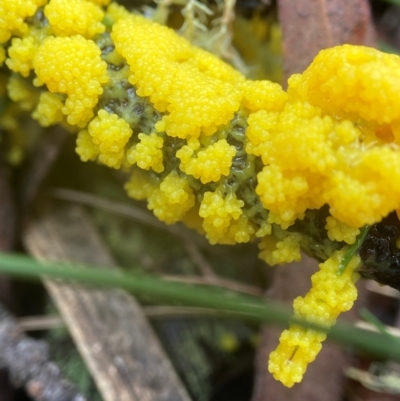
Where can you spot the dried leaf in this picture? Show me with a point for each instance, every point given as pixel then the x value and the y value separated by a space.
pixel 311 25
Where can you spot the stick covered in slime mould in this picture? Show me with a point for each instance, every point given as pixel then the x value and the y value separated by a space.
pixel 237 160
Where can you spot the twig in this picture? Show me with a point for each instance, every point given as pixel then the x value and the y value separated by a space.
pixel 231 285
pixel 190 241
pixel 128 211
pixel 36 323
pixel 200 261
pixel 392 331
pixel 155 312
pixel 28 364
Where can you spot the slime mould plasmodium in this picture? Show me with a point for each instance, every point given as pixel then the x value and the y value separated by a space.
pixel 237 160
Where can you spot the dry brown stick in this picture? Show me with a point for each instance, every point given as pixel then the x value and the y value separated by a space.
pixel 109 328
pixel 200 261
pixel 129 211
pixel 190 241
pixel 28 364
pixel 36 323
pixel 231 285
pixel 161 312
pixel 38 164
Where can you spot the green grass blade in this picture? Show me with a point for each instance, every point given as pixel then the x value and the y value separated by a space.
pixel 234 304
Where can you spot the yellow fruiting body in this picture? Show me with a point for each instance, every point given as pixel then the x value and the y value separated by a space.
pixel 172 199
pixel 18 91
pixel 21 54
pixel 338 231
pixel 147 153
pixel 330 295
pixel 237 160
pixel 197 89
pixel 109 134
pixel 72 66
pixel 219 215
pixel 75 17
pixel 209 164
pixel 49 109
pixel 12 16
pixel 276 252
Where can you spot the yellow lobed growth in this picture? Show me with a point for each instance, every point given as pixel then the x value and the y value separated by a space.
pixel 100 2
pixel 21 54
pixel 72 66
pixel 116 12
pixel 139 186
pixel 356 82
pixel 338 231
pixel 85 147
pixel 73 17
pixel 12 16
pixel 330 295
pixel 259 95
pixel 109 135
pixel 19 91
pixel 172 199
pixel 311 159
pixel 49 109
pixel 197 89
pixel 220 213
pixel 147 153
pixel 274 251
pixel 209 164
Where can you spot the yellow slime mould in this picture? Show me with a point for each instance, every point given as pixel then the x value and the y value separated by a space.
pixel 238 160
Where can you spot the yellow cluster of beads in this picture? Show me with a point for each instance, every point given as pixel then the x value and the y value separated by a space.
pixel 19 91
pixel 198 90
pixel 21 53
pixel 357 81
pixel 338 231
pixel 72 17
pixel 72 66
pixel 209 164
pixel 12 16
pixel 172 199
pixel 219 213
pixel 49 109
pixel 108 135
pixel 147 153
pixel 331 294
pixel 274 251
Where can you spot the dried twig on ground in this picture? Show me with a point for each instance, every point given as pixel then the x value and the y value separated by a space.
pixel 28 364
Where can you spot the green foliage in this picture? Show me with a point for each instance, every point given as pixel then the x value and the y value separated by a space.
pixel 226 302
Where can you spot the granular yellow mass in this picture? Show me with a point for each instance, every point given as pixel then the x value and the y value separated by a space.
pixel 13 14
pixel 236 159
pixel 330 295
pixel 72 66
pixel 72 17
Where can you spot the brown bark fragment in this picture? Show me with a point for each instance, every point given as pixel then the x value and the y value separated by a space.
pixel 311 25
pixel 116 341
